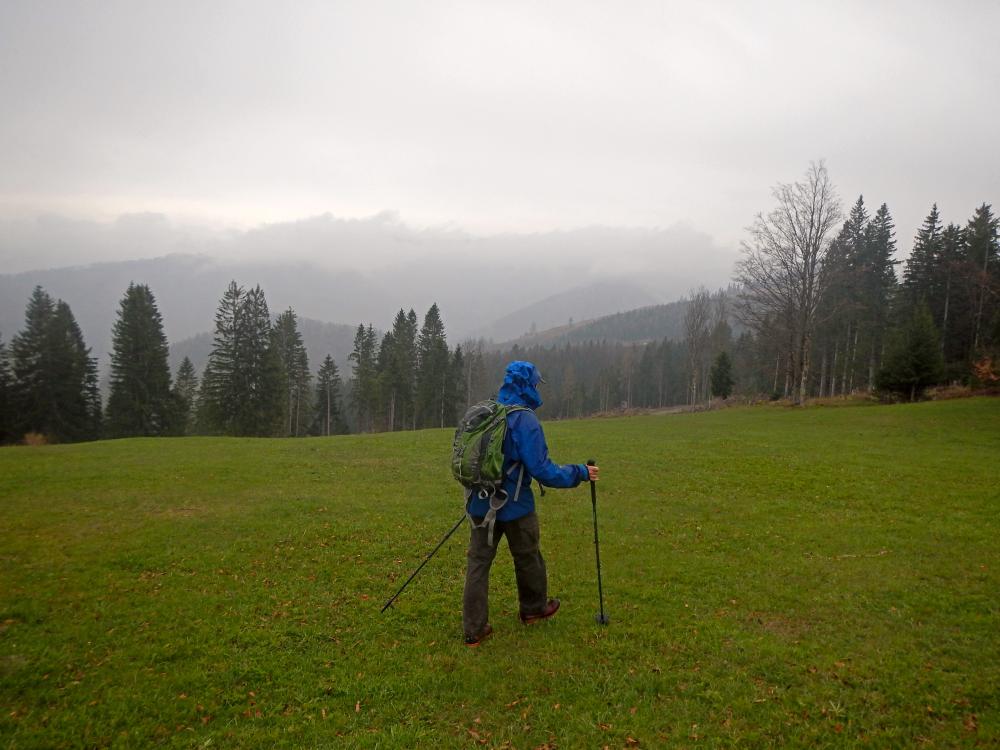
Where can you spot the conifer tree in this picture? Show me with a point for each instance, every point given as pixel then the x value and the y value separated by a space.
pixel 364 391
pixel 948 308
pixel 983 256
pixel 185 394
pixel 221 382
pixel 140 403
pixel 295 361
pixel 260 376
pixel 454 397
pixel 328 419
pixel 398 356
pixel 433 370
pixel 6 384
pixel 722 376
pixel 920 271
pixel 55 379
pixel 913 361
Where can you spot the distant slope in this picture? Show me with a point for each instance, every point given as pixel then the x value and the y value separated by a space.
pixel 651 323
pixel 584 302
pixel 319 338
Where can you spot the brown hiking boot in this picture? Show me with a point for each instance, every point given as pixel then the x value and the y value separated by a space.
pixel 550 609
pixel 472 642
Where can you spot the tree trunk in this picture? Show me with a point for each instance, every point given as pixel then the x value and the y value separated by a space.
pixel 854 357
pixel 822 374
pixel 847 359
pixel 833 369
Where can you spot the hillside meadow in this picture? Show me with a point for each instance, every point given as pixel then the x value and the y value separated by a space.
pixel 821 577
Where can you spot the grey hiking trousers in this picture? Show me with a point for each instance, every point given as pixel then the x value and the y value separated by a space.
pixel 529 569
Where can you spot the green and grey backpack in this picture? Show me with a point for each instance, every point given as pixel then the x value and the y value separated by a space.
pixel 477 458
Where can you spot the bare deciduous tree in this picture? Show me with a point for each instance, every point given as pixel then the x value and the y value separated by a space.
pixel 782 272
pixel 697 329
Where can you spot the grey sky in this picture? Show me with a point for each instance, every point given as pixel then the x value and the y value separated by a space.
pixel 493 117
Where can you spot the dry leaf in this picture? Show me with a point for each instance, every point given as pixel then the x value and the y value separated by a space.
pixel 357 707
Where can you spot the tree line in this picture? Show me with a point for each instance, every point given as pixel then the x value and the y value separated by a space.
pixel 828 315
pixel 817 309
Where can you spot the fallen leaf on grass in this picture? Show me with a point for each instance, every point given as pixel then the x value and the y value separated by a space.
pixel 357 707
pixel 631 742
pixel 970 723
pixel 605 727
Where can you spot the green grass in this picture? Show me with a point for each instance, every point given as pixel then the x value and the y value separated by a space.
pixel 826 577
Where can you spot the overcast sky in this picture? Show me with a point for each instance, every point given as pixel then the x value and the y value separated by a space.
pixel 493 117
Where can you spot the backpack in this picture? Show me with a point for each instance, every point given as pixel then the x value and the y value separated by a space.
pixel 477 458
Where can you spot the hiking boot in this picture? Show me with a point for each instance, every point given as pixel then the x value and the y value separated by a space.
pixel 473 641
pixel 550 609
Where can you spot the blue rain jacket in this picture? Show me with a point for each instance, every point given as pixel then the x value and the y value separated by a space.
pixel 525 443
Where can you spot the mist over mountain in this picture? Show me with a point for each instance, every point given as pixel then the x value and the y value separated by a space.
pixel 347 271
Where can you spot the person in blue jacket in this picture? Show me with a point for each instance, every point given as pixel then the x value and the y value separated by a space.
pixel 524 448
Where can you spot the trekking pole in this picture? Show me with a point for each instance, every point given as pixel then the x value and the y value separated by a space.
pixel 426 560
pixel 601 618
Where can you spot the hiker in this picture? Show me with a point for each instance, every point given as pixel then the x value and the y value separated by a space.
pixel 526 457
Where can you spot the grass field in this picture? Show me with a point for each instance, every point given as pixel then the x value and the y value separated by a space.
pixel 827 577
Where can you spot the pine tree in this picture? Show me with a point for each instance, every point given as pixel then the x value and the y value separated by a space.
pixel 328 419
pixel 140 403
pixel 55 379
pixel 185 395
pixel 295 361
pixel 913 361
pixel 6 384
pixel 722 376
pixel 433 370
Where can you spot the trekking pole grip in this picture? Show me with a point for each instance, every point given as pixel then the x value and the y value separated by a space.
pixel 593 486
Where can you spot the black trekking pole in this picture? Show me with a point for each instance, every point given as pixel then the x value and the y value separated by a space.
pixel 426 560
pixel 600 618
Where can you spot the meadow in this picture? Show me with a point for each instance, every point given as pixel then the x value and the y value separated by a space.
pixel 819 577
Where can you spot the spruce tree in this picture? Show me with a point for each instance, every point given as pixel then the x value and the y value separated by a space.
pixel 6 384
pixel 364 390
pixel 328 419
pixel 913 361
pixel 221 382
pixel 260 376
pixel 295 362
pixel 920 272
pixel 185 396
pixel 140 403
pixel 398 367
pixel 722 376
pixel 433 370
pixel 55 379
pixel 949 307
pixel 454 396
pixel 983 256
